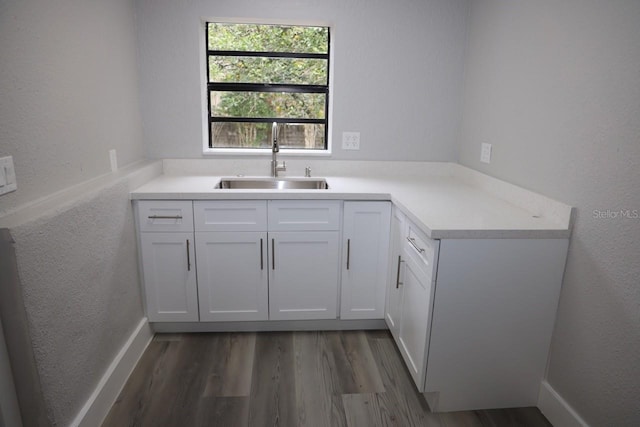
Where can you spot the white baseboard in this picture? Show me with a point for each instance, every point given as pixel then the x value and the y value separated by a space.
pixel 106 392
pixel 270 325
pixel 556 409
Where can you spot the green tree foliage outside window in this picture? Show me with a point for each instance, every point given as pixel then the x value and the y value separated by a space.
pixel 245 63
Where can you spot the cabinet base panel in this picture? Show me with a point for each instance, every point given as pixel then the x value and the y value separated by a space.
pixel 272 325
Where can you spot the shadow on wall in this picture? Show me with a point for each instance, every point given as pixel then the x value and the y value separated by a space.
pixel 18 338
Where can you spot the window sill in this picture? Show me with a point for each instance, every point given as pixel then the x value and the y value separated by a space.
pixel 264 152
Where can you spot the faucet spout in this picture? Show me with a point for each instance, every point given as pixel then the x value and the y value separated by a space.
pixel 275 149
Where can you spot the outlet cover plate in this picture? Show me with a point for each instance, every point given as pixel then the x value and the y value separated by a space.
pixel 350 140
pixel 485 153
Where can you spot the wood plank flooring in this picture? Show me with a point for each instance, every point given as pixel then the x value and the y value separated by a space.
pixel 286 379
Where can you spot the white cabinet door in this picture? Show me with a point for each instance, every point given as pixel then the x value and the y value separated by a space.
pixel 232 275
pixel 415 320
pixel 394 289
pixel 414 295
pixel 169 269
pixel 365 259
pixel 303 275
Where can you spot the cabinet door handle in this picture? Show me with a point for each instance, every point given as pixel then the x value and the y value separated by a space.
pixel 413 243
pixel 398 282
pixel 348 252
pixel 165 216
pixel 188 257
pixel 273 254
pixel 261 256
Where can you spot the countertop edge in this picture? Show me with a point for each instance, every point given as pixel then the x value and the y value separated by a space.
pixel 340 194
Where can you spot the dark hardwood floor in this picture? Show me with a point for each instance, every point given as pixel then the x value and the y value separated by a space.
pixel 332 379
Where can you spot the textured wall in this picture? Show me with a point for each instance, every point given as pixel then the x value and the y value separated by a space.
pixel 79 277
pixel 555 87
pixel 398 70
pixel 69 93
pixel 68 81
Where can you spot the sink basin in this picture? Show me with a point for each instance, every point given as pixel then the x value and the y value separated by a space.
pixel 273 184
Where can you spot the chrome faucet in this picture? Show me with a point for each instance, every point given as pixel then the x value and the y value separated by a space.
pixel 275 167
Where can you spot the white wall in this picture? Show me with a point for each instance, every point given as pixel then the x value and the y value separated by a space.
pixel 79 279
pixel 68 85
pixel 68 81
pixel 555 87
pixel 398 70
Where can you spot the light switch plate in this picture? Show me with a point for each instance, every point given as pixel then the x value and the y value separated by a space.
pixel 8 175
pixel 485 153
pixel 350 140
pixel 113 159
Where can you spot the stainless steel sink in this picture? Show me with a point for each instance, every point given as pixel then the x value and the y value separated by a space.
pixel 273 184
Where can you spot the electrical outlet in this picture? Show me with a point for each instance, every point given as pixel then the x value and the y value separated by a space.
pixel 485 153
pixel 350 140
pixel 7 175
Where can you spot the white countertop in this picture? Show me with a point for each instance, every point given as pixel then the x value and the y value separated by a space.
pixel 461 205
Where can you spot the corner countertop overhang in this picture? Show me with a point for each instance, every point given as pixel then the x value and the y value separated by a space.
pixel 462 205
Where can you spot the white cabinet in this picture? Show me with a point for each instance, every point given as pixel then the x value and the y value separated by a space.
pixel 410 293
pixel 232 275
pixel 303 275
pixel 493 316
pixel 365 244
pixel 415 311
pixel 410 296
pixel 168 260
pixel 394 291
pixel 262 260
pixel 231 247
pixel 304 253
pixel 476 334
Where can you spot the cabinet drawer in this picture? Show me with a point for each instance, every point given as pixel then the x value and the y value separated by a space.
pixel 229 215
pixel 423 249
pixel 308 215
pixel 165 215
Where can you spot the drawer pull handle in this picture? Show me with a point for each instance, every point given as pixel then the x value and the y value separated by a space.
pixel 413 243
pixel 165 217
pixel 188 257
pixel 348 252
pixel 398 282
pixel 261 257
pixel 273 254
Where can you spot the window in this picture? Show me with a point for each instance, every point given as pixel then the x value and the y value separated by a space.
pixel 260 74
